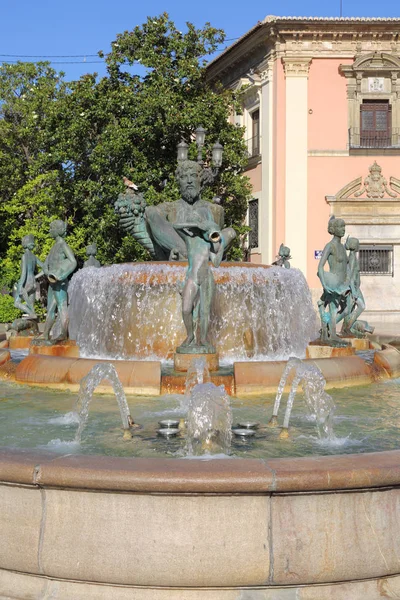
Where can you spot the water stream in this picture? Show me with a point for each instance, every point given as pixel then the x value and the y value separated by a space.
pixel 320 404
pixel 87 387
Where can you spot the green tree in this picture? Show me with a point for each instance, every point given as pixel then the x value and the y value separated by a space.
pixel 65 146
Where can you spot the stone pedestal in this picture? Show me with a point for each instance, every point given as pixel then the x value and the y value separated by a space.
pixel 20 342
pixel 66 348
pixel 358 343
pixel 319 350
pixel 182 361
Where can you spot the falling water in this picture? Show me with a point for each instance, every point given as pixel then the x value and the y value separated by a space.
pixel 197 373
pixel 209 420
pixel 319 403
pixel 134 311
pixel 88 384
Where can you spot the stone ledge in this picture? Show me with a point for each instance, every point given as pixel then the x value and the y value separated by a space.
pixel 140 377
pixel 263 377
pixel 179 476
pixel 24 585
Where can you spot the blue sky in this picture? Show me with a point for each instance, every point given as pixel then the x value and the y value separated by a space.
pixel 51 27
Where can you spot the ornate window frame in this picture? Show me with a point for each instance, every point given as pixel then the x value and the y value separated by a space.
pixel 379 66
pixel 251 102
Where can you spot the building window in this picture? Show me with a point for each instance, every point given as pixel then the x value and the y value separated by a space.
pixel 253 223
pixel 375 124
pixel 376 260
pixel 253 143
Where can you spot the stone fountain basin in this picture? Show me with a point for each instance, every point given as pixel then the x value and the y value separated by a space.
pixel 91 527
pixel 147 378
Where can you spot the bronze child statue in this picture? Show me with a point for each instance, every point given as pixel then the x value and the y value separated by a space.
pixel 355 300
pixel 92 260
pixel 336 287
pixel 58 266
pixel 26 286
pixel 282 259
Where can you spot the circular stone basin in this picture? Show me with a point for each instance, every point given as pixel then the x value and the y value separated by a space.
pixel 75 525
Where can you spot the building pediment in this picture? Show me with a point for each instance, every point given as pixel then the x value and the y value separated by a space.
pixel 372 188
pixel 374 62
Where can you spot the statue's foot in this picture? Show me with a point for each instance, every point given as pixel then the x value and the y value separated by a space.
pixel 189 341
pixel 357 334
pixel 193 347
pixel 60 338
pixel 337 343
pixel 41 341
pixel 30 316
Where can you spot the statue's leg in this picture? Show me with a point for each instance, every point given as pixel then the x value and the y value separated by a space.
pixel 333 310
pixel 207 290
pixel 28 307
pixel 31 303
pixel 324 320
pixel 163 233
pixel 51 313
pixel 189 297
pixel 359 308
pixel 62 307
pixel 346 314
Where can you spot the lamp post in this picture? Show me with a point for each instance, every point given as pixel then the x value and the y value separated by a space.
pixel 200 137
pixel 182 151
pixel 217 151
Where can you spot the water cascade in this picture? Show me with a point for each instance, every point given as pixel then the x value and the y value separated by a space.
pixel 89 384
pixel 197 373
pixel 134 311
pixel 319 403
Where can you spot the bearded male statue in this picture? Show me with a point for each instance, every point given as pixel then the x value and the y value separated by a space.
pixel 153 226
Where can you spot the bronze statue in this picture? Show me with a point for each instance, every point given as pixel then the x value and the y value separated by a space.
pixel 189 229
pixel 355 299
pixel 92 260
pixel 282 258
pixel 204 241
pixel 26 287
pixel 336 287
pixel 58 266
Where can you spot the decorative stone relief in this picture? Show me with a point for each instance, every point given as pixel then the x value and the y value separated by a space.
pixel 296 66
pixel 375 185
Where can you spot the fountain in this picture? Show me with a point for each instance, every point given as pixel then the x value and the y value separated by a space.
pixel 209 421
pixel 319 403
pixel 88 385
pixel 271 519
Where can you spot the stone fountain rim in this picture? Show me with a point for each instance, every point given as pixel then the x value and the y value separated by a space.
pixel 199 476
pixel 184 263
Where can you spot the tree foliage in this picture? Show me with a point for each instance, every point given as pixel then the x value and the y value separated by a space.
pixel 64 146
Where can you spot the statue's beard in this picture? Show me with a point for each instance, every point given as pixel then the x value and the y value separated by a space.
pixel 190 195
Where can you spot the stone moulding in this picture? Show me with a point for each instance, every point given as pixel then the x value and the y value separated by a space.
pixel 176 529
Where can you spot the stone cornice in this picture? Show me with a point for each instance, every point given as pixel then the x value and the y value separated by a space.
pixel 276 37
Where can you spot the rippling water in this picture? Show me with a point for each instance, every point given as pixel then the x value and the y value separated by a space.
pixel 367 419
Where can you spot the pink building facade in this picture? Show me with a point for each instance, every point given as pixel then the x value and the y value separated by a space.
pixel 321 108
